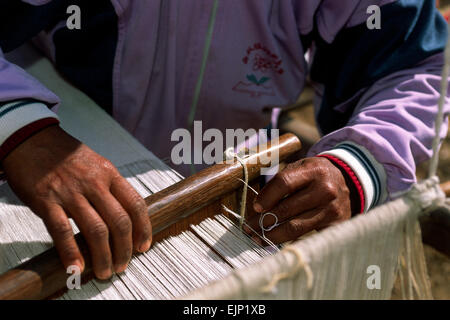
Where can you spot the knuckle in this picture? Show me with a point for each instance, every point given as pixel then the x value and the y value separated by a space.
pixel 96 184
pixel 334 210
pixel 54 184
pixel 69 252
pixel 282 209
pixel 108 166
pixel 123 225
pixel 93 182
pixel 283 181
pixel 62 230
pixel 48 186
pixel 345 192
pixel 321 171
pixel 293 229
pixel 329 190
pixel 139 206
pixel 98 231
pixel 295 165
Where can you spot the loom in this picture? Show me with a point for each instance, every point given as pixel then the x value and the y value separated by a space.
pixel 199 252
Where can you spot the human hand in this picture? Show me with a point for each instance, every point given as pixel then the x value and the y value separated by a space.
pixel 308 194
pixel 59 177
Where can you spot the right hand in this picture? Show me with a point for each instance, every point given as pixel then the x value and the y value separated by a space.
pixel 59 177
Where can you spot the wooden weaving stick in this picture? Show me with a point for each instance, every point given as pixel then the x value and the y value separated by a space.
pixel 44 275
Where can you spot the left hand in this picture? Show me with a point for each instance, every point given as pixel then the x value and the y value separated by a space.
pixel 308 194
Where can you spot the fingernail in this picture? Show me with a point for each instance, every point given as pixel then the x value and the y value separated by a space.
pixel 120 269
pixel 105 275
pixel 79 264
pixel 145 246
pixel 257 207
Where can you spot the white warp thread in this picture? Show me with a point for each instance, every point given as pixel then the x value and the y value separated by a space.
pixel 340 257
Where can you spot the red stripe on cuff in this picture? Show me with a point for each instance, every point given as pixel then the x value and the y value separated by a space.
pixel 24 133
pixel 351 175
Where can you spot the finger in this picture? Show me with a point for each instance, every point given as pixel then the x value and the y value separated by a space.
pixel 284 183
pixel 95 232
pixel 298 226
pixel 289 207
pixel 133 203
pixel 119 223
pixel 60 230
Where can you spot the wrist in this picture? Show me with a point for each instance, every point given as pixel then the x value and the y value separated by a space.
pixel 369 172
pixel 24 134
pixel 19 121
pixel 355 188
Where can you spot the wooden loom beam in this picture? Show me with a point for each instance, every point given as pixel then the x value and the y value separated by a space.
pixel 44 275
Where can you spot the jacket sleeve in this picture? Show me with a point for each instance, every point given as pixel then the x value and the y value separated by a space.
pixel 26 106
pixel 378 91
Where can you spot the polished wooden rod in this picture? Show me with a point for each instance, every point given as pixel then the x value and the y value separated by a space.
pixel 44 275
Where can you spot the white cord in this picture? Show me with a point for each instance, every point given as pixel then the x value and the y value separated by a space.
pixel 440 116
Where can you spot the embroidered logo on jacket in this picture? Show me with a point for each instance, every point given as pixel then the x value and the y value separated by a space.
pixel 262 62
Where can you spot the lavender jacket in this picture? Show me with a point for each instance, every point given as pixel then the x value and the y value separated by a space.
pixel 377 89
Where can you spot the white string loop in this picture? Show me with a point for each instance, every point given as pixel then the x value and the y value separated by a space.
pixel 300 265
pixel 270 228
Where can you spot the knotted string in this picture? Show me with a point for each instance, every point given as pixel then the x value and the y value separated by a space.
pixel 261 221
pixel 270 228
pixel 229 154
pixel 301 264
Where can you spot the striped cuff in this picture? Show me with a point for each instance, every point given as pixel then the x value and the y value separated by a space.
pixel 20 120
pixel 351 178
pixel 366 169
